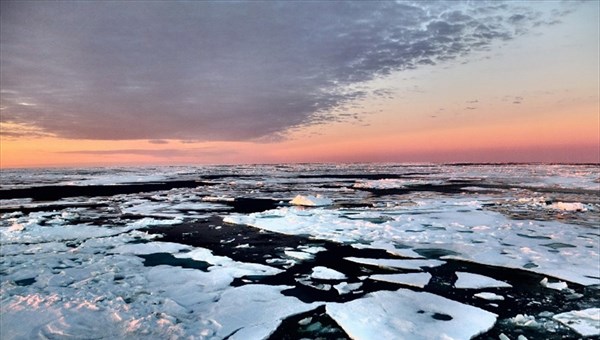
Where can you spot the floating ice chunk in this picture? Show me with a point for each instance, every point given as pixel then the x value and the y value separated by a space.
pixel 147 221
pixel 503 336
pixel 569 206
pixel 227 265
pixel 389 247
pixel 16 227
pixel 312 250
pixel 324 273
pixel 345 287
pixel 476 281
pixel 560 285
pixel 410 279
pixel 397 263
pixel 405 314
pixel 585 322
pixel 218 199
pixel 392 183
pixel 524 320
pixel 254 311
pixel 149 248
pixel 300 255
pixel 311 201
pixel 489 296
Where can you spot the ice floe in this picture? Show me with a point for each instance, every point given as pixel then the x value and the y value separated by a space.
pixel 585 322
pixel 460 228
pixel 410 279
pixel 404 314
pixel 477 281
pixel 560 285
pixel 311 201
pixel 324 273
pixel 415 264
pixel 489 296
pixel 345 287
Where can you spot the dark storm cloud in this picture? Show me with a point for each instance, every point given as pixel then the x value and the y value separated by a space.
pixel 221 70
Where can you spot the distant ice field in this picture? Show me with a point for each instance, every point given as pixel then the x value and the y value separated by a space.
pixel 301 251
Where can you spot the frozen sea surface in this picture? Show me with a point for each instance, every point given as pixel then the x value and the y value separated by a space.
pixel 362 251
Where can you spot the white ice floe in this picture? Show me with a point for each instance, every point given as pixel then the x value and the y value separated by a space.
pixel 560 285
pixel 476 281
pixel 392 183
pixel 566 206
pixel 524 320
pixel 150 248
pixel 345 287
pixel 324 273
pixel 312 249
pixel 416 264
pixel 300 255
pixel 489 296
pixel 405 314
pixel 458 227
pixel 410 279
pixel 253 311
pixel 546 203
pixel 311 201
pixel 102 289
pixel 585 322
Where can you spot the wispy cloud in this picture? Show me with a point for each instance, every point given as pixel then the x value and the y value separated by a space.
pixel 225 70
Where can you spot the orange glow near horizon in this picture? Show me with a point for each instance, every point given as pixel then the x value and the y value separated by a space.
pixel 564 136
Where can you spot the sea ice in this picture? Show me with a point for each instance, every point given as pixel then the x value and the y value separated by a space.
pixel 585 322
pixel 560 285
pixel 311 201
pixel 476 281
pixel 489 296
pixel 415 264
pixel 324 273
pixel 404 314
pixel 576 206
pixel 345 287
pixel 524 320
pixel 410 279
pixel 300 255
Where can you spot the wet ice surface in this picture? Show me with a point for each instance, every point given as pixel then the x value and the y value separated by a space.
pixel 224 252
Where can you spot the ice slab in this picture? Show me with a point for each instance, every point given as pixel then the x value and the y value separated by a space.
pixel 345 287
pixel 416 264
pixel 253 311
pixel 324 273
pixel 560 285
pixel 405 314
pixel 300 255
pixel 476 281
pixel 458 226
pixel 410 279
pixel 585 322
pixel 489 296
pixel 311 201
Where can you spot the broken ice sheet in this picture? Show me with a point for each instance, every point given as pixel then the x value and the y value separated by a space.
pixel 585 322
pixel 410 279
pixel 404 314
pixel 475 281
pixel 324 273
pixel 416 264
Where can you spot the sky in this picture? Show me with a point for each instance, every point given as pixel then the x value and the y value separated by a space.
pixel 103 83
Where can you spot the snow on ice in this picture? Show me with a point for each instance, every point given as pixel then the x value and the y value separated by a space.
pixel 476 281
pixel 404 314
